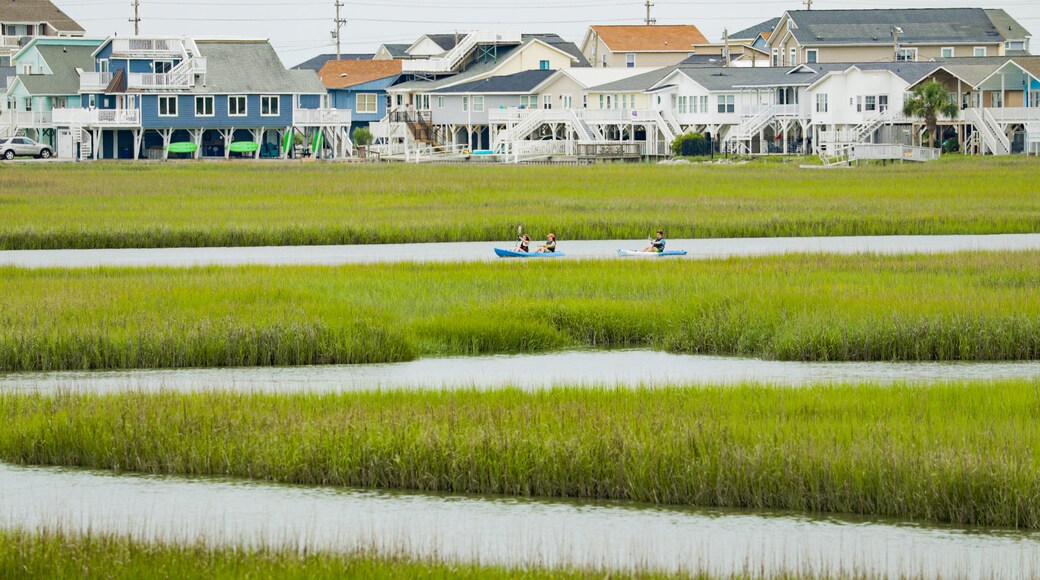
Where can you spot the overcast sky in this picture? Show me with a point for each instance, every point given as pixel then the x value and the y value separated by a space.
pixel 300 30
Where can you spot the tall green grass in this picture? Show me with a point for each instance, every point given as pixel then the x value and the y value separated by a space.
pixel 127 205
pixel 966 453
pixel 981 306
pixel 58 554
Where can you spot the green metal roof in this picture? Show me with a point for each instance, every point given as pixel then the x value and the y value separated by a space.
pixel 63 62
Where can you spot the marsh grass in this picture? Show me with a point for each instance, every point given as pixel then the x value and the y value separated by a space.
pixel 191 205
pixel 958 453
pixel 970 307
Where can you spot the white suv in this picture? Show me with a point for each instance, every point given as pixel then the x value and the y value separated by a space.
pixel 23 147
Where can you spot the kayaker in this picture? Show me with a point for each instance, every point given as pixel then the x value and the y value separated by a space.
pixel 657 244
pixel 550 245
pixel 525 243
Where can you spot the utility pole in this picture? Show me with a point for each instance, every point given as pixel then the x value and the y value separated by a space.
pixel 808 4
pixel 650 21
pixel 137 17
pixel 725 49
pixel 339 30
pixel 896 31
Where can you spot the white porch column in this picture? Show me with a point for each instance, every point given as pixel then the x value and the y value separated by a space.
pixel 138 138
pixel 196 135
pixel 167 135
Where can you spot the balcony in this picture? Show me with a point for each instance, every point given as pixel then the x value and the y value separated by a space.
pixel 97 117
pixel 147 47
pixel 182 77
pixel 94 82
pixel 10 42
pixel 1014 115
pixel 28 119
pixel 321 117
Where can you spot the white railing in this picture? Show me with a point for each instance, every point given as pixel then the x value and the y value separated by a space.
pixel 544 148
pixel 10 41
pixel 454 57
pixel 322 116
pixel 181 77
pixel 872 151
pixel 147 47
pixel 514 115
pixel 1003 143
pixel 28 119
pixel 97 117
pixel 1016 114
pixel 93 82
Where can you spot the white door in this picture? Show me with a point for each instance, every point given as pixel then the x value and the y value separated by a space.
pixel 65 144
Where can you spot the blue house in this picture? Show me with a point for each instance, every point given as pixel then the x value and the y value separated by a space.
pixel 157 97
pixel 359 86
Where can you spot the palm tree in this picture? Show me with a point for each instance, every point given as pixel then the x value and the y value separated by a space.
pixel 929 102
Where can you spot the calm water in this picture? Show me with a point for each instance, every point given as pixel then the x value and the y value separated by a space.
pixel 610 368
pixel 512 531
pixel 482 251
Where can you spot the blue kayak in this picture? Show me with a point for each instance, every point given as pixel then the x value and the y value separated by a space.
pixel 514 254
pixel 625 253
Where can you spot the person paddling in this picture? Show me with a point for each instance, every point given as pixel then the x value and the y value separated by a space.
pixel 657 244
pixel 550 245
pixel 525 243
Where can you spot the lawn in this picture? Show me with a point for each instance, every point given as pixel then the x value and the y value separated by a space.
pixel 973 306
pixel 248 204
pixel 960 453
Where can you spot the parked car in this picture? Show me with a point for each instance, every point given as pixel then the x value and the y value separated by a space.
pixel 23 147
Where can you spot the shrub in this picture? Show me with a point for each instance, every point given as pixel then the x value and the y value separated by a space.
pixel 690 144
pixel 362 137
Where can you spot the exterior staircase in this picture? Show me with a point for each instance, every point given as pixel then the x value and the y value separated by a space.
pixel 750 126
pixel 455 57
pixel 83 138
pixel 992 137
pixel 672 123
pixel 521 130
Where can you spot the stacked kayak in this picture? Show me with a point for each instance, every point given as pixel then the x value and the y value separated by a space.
pixel 515 254
pixel 627 253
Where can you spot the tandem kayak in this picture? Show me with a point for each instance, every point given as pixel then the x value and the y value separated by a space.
pixel 515 254
pixel 626 253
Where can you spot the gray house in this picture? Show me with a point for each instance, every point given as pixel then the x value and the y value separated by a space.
pixel 463 108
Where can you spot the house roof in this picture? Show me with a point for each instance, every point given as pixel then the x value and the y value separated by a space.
pixel 641 38
pixel 37 11
pixel 319 61
pixel 63 62
pixel 706 59
pixel 340 74
pixel 752 33
pixel 1030 63
pixel 251 66
pixel 973 74
pixel 5 72
pixel 640 82
pixel 1006 25
pixel 919 25
pixel 591 77
pixel 445 41
pixel 478 69
pixel 557 41
pixel 518 83
pixel 397 50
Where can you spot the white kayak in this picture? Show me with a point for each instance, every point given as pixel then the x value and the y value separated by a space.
pixel 627 253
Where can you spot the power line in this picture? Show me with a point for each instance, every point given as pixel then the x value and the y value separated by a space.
pixel 137 18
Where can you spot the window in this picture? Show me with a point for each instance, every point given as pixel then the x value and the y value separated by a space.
pixel 543 65
pixel 601 102
pixel 727 104
pixel 882 103
pixel 604 59
pixel 440 102
pixel 422 102
pixel 26 69
pixel 821 103
pixel 609 104
pixel 59 102
pixel 546 102
pixel 28 104
pixel 906 55
pixel 203 106
pixel 1034 99
pixel 366 104
pixel 630 60
pixel 478 104
pixel 682 105
pixel 270 106
pixel 870 103
pixel 948 52
pixel 704 104
pixel 237 106
pixel 997 100
pixel 529 101
pixel 979 51
pixel 812 56
pixel 167 106
pixel 776 57
pixel 859 104
pixel 103 65
pixel 584 101
pixel 1015 45
pixel 91 101
pixel 162 66
pixel 568 102
pixel 794 56
pixel 465 104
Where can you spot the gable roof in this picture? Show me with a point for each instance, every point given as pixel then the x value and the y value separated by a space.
pixel 1008 27
pixel 5 73
pixel 707 59
pixel 251 66
pixel 590 77
pixel 1030 64
pixel 919 25
pixel 642 38
pixel 397 50
pixel 38 11
pixel 640 82
pixel 340 74
pixel 319 61
pixel 971 74
pixel 445 41
pixel 556 41
pixel 63 62
pixel 752 33
pixel 521 82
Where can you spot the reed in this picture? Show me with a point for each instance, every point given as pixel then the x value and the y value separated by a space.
pixel 960 453
pixel 190 205
pixel 975 306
